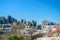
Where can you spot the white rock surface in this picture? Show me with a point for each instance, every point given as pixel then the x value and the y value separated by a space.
pixel 49 38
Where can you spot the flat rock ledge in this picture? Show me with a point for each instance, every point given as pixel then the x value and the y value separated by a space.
pixel 49 38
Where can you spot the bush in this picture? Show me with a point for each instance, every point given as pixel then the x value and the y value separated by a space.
pixel 15 37
pixel 1 32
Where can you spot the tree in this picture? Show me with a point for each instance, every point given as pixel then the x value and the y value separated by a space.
pixel 15 37
pixel 1 32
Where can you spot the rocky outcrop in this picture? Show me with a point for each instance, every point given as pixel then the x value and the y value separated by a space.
pixel 7 20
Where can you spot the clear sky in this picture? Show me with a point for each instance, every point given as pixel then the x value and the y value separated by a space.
pixel 37 10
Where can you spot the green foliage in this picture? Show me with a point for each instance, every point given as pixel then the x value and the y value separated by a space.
pixel 1 32
pixel 15 37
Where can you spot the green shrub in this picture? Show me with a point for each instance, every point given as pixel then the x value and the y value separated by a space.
pixel 15 37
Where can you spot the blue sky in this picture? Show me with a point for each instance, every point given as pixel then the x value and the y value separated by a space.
pixel 38 10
